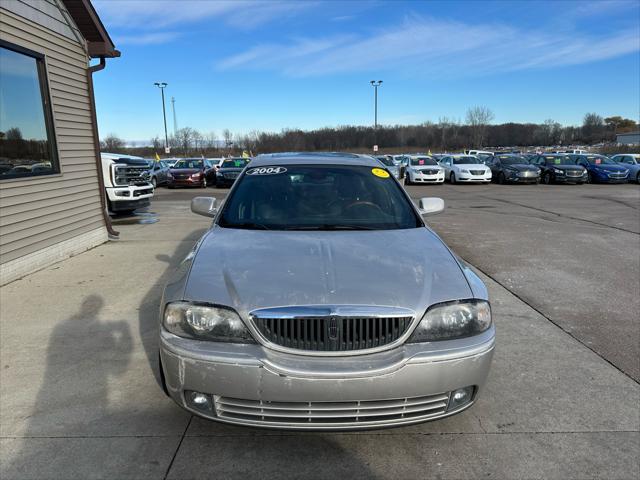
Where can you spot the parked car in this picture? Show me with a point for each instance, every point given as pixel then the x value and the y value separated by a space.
pixel 126 182
pixel 158 172
pixel 229 170
pixel 465 168
pixel 630 161
pixel 423 169
pixel 188 172
pixel 387 161
pixel 284 333
pixel 513 169
pixel 601 169
pixel 559 168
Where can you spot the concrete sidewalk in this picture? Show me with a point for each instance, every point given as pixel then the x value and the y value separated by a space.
pixel 79 396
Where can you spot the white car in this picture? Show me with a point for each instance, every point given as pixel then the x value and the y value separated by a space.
pixel 465 168
pixel 423 169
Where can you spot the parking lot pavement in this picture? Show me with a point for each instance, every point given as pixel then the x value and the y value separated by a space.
pixel 571 252
pixel 79 396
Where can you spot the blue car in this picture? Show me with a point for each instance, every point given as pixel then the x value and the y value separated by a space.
pixel 602 169
pixel 630 161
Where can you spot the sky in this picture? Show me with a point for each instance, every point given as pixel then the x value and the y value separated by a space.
pixel 269 65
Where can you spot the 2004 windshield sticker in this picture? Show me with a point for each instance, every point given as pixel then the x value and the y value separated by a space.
pixel 266 171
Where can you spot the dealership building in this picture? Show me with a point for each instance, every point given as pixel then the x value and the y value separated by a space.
pixel 51 190
pixel 631 138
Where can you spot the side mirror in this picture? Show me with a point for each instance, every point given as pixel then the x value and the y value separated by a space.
pixel 205 206
pixel 430 206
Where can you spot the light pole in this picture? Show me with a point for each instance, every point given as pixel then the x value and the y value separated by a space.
pixel 161 86
pixel 375 86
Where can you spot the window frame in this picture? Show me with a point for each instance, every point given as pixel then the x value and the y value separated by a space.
pixel 45 98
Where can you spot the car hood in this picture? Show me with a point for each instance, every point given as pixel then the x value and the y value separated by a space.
pixel 567 167
pixel 609 168
pixel 250 269
pixel 472 166
pixel 232 169
pixel 425 167
pixel 185 170
pixel 522 167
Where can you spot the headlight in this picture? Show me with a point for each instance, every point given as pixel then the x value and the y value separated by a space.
pixel 464 171
pixel 450 320
pixel 203 322
pixel 196 175
pixel 558 171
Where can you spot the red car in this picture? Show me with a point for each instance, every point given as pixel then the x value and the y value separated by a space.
pixel 188 172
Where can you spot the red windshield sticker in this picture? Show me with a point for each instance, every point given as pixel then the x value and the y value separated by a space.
pixel 598 161
pixel 420 162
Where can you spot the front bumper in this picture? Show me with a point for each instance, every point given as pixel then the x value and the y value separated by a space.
pixel 568 179
pixel 255 386
pixel 470 178
pixel 520 178
pixel 186 182
pixel 424 178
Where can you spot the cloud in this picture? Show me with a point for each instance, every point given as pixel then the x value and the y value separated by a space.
pixel 434 47
pixel 158 14
pixel 153 38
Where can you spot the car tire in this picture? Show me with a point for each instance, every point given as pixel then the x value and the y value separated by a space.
pixel 501 179
pixel 407 179
pixel 154 182
pixel 452 178
pixel 638 178
pixel 590 178
pixel 546 178
pixel 204 182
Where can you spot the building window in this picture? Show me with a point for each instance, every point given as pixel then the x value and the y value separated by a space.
pixel 27 141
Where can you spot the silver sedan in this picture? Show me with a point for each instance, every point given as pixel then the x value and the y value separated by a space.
pixel 290 313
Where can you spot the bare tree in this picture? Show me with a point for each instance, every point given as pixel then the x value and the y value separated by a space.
pixel 112 143
pixel 198 140
pixel 478 118
pixel 156 143
pixel 210 139
pixel 184 139
pixel 227 136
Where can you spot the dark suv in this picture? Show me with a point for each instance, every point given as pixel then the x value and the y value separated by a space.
pixel 559 168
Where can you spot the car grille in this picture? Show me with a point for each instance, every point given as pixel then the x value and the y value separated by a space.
pixel 128 175
pixel 329 413
pixel 230 175
pixel 573 173
pixel 429 172
pixel 181 176
pixel 332 334
pixel 617 175
pixel 476 172
pixel 527 173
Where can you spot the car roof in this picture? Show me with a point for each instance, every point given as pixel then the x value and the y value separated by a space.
pixel 314 158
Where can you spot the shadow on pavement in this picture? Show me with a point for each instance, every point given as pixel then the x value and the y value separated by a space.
pixel 67 400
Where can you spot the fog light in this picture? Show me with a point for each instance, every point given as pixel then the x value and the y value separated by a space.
pixel 197 400
pixel 460 397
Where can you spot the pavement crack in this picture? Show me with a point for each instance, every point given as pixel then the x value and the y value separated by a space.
pixel 537 310
pixel 175 454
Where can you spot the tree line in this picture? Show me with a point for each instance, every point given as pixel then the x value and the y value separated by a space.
pixel 476 131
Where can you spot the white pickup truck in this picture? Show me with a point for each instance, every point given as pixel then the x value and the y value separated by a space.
pixel 126 181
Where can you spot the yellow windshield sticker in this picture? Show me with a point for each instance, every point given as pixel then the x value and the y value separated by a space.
pixel 378 172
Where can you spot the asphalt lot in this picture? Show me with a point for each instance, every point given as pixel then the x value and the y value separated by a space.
pixel 79 396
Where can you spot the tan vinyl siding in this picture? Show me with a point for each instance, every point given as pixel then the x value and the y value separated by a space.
pixel 36 213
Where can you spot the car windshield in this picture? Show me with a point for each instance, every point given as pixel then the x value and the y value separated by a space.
pixel 318 197
pixel 188 164
pixel 417 161
pixel 513 160
pixel 557 160
pixel 386 161
pixel 598 160
pixel 235 163
pixel 466 161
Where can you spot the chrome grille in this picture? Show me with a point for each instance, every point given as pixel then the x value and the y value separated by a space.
pixel 573 173
pixel 429 172
pixel 230 175
pixel 330 413
pixel 476 172
pixel 129 175
pixel 332 333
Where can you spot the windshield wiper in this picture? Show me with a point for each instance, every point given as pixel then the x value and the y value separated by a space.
pixel 246 225
pixel 328 227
